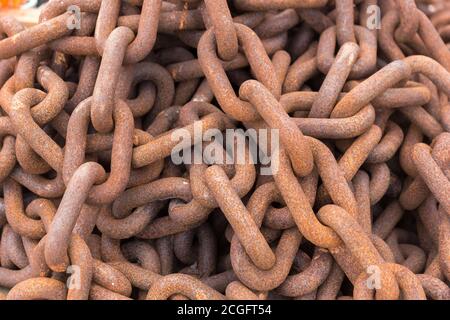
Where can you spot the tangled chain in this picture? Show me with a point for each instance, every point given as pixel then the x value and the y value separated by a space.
pixel 94 207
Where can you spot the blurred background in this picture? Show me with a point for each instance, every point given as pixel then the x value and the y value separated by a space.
pixel 26 11
pixel 20 4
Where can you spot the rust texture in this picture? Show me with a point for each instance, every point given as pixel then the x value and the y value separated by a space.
pixel 352 200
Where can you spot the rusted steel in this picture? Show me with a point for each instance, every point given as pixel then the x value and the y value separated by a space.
pixel 310 278
pixel 218 80
pixel 108 75
pixel 68 211
pixel 146 35
pixel 237 291
pixel 363 67
pixel 239 219
pixel 34 36
pixel 433 176
pixel 120 155
pixel 273 114
pixel 226 37
pixel 110 278
pixel 95 113
pixel 80 256
pixel 334 81
pixel 38 289
pixel 182 284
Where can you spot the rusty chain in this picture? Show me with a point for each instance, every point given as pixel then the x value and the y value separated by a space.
pixel 353 204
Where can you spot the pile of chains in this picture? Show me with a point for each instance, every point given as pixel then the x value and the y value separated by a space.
pixel 94 206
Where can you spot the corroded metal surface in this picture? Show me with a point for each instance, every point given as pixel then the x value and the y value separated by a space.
pixel 95 101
